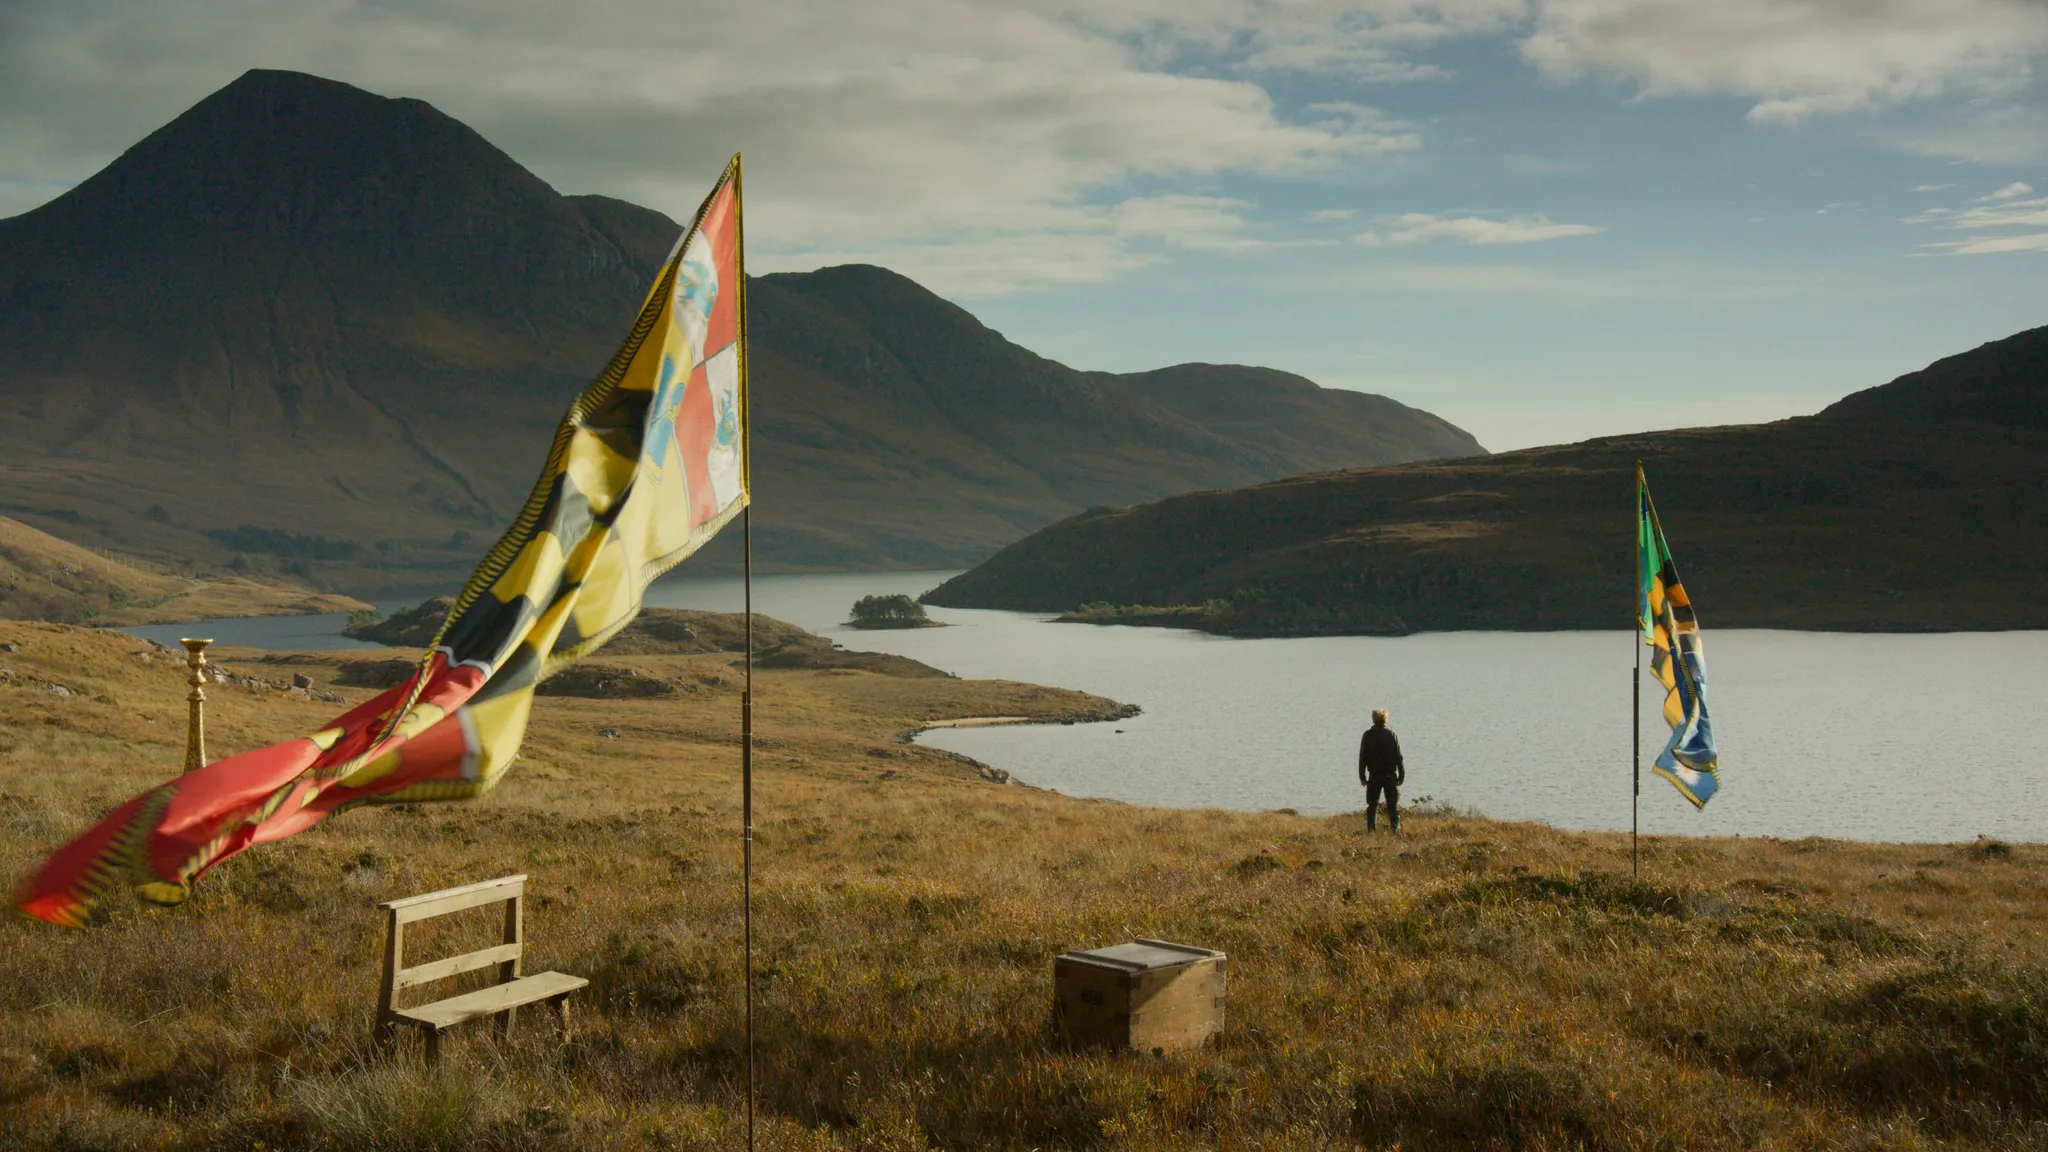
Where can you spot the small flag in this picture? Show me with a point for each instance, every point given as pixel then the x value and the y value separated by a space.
pixel 1665 618
pixel 648 464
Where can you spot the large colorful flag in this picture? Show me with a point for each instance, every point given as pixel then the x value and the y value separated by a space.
pixel 649 463
pixel 1665 618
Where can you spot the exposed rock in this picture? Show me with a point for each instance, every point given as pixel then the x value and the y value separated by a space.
pixel 604 682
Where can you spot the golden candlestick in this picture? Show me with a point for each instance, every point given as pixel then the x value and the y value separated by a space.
pixel 195 719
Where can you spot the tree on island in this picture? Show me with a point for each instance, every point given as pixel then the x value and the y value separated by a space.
pixel 898 611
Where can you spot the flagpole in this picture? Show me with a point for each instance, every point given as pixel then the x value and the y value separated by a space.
pixel 747 692
pixel 747 808
pixel 1636 707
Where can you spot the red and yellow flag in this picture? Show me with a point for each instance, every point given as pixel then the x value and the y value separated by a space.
pixel 649 463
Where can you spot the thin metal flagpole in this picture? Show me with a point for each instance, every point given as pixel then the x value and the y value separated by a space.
pixel 1636 704
pixel 747 691
pixel 747 809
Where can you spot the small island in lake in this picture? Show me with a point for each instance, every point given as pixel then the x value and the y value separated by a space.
pixel 897 611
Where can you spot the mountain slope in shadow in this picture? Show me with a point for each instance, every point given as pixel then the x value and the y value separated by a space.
pixel 1917 505
pixel 312 327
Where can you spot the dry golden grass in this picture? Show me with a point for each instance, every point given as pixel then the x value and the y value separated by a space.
pixel 1465 984
pixel 47 578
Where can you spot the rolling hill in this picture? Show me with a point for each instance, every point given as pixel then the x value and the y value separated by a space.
pixel 45 578
pixel 309 326
pixel 1917 505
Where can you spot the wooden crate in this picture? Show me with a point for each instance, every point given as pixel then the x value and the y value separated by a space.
pixel 1147 996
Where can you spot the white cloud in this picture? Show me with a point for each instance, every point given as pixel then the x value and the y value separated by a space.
pixel 1416 227
pixel 2008 129
pixel 981 267
pixel 1564 287
pixel 2002 211
pixel 1932 187
pixel 1201 223
pixel 1369 40
pixel 1370 129
pixel 1331 215
pixel 1795 58
pixel 898 129
pixel 1992 245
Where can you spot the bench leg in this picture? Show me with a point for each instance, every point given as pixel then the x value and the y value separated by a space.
pixel 503 1023
pixel 562 1015
pixel 433 1045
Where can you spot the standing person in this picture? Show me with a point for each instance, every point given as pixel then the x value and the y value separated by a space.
pixel 1380 769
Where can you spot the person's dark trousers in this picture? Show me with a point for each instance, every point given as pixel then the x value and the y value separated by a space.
pixel 1373 788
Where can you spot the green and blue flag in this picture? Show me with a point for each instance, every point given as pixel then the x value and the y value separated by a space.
pixel 1665 618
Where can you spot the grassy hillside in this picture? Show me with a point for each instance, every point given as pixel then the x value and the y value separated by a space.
pixel 43 577
pixel 1464 984
pixel 1920 505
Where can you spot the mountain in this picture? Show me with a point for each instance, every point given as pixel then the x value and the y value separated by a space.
pixel 892 422
pixel 1917 505
pixel 303 326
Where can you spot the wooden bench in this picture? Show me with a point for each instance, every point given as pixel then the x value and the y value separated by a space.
pixel 502 999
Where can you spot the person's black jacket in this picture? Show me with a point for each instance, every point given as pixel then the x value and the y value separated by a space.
pixel 1379 756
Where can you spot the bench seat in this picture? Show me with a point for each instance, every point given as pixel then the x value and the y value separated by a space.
pixel 490 1001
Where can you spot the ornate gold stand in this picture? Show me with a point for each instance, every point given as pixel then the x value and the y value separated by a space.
pixel 195 719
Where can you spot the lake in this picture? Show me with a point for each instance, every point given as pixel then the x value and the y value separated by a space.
pixel 1858 736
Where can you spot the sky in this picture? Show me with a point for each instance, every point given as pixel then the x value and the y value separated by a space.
pixel 1541 219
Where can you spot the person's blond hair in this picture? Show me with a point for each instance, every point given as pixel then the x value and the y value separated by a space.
pixel 1379 715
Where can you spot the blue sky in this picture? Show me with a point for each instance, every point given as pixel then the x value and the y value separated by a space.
pixel 1543 219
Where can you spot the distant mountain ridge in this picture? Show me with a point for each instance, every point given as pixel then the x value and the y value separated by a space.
pixel 302 310
pixel 1918 505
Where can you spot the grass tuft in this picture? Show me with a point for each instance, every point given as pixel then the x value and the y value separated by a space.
pixel 398 1107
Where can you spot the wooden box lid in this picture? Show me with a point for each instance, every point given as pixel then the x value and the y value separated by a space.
pixel 1142 956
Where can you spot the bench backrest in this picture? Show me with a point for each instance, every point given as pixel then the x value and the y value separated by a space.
pixel 509 889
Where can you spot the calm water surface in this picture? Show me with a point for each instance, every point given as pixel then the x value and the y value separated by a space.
pixel 1873 737
pixel 320 633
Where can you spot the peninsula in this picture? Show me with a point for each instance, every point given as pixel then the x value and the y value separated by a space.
pixel 1920 505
